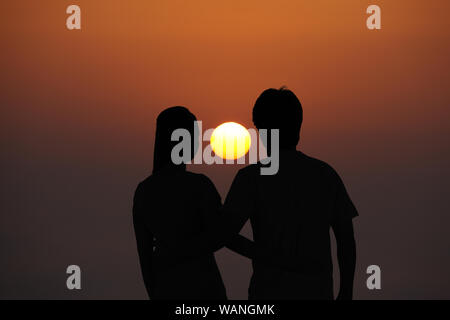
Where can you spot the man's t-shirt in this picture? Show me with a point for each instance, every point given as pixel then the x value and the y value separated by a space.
pixel 291 213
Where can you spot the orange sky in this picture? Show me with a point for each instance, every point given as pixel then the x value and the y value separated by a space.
pixel 132 59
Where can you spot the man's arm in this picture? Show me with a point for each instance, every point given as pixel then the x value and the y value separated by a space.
pixel 342 225
pixel 239 214
pixel 243 246
pixel 346 253
pixel 222 226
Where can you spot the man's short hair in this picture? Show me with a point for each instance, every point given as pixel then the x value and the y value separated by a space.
pixel 279 109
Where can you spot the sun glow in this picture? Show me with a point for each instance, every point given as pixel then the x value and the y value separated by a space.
pixel 230 140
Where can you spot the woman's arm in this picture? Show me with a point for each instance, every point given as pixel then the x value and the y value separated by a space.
pixel 144 241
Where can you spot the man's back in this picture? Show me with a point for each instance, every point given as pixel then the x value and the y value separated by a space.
pixel 291 213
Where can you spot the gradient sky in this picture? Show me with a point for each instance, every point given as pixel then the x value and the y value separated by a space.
pixel 78 113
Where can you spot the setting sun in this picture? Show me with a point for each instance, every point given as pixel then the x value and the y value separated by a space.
pixel 230 140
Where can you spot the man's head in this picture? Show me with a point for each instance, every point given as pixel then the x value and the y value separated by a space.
pixel 279 109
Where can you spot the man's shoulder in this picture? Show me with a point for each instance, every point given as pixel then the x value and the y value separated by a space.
pixel 317 163
pixel 318 166
pixel 312 164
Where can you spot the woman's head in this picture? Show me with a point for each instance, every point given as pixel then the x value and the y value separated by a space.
pixel 168 121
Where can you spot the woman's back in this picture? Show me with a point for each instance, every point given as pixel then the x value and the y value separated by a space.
pixel 171 205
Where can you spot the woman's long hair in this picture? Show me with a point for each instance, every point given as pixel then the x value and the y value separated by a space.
pixel 169 120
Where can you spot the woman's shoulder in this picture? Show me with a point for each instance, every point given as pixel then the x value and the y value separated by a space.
pixel 143 185
pixel 191 181
pixel 200 178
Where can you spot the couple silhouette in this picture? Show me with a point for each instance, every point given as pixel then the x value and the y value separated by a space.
pixel 179 219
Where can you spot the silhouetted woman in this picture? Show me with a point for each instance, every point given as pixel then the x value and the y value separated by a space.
pixel 169 206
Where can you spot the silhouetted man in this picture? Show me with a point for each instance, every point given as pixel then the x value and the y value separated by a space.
pixel 291 213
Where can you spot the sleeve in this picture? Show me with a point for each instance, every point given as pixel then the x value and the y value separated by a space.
pixel 343 209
